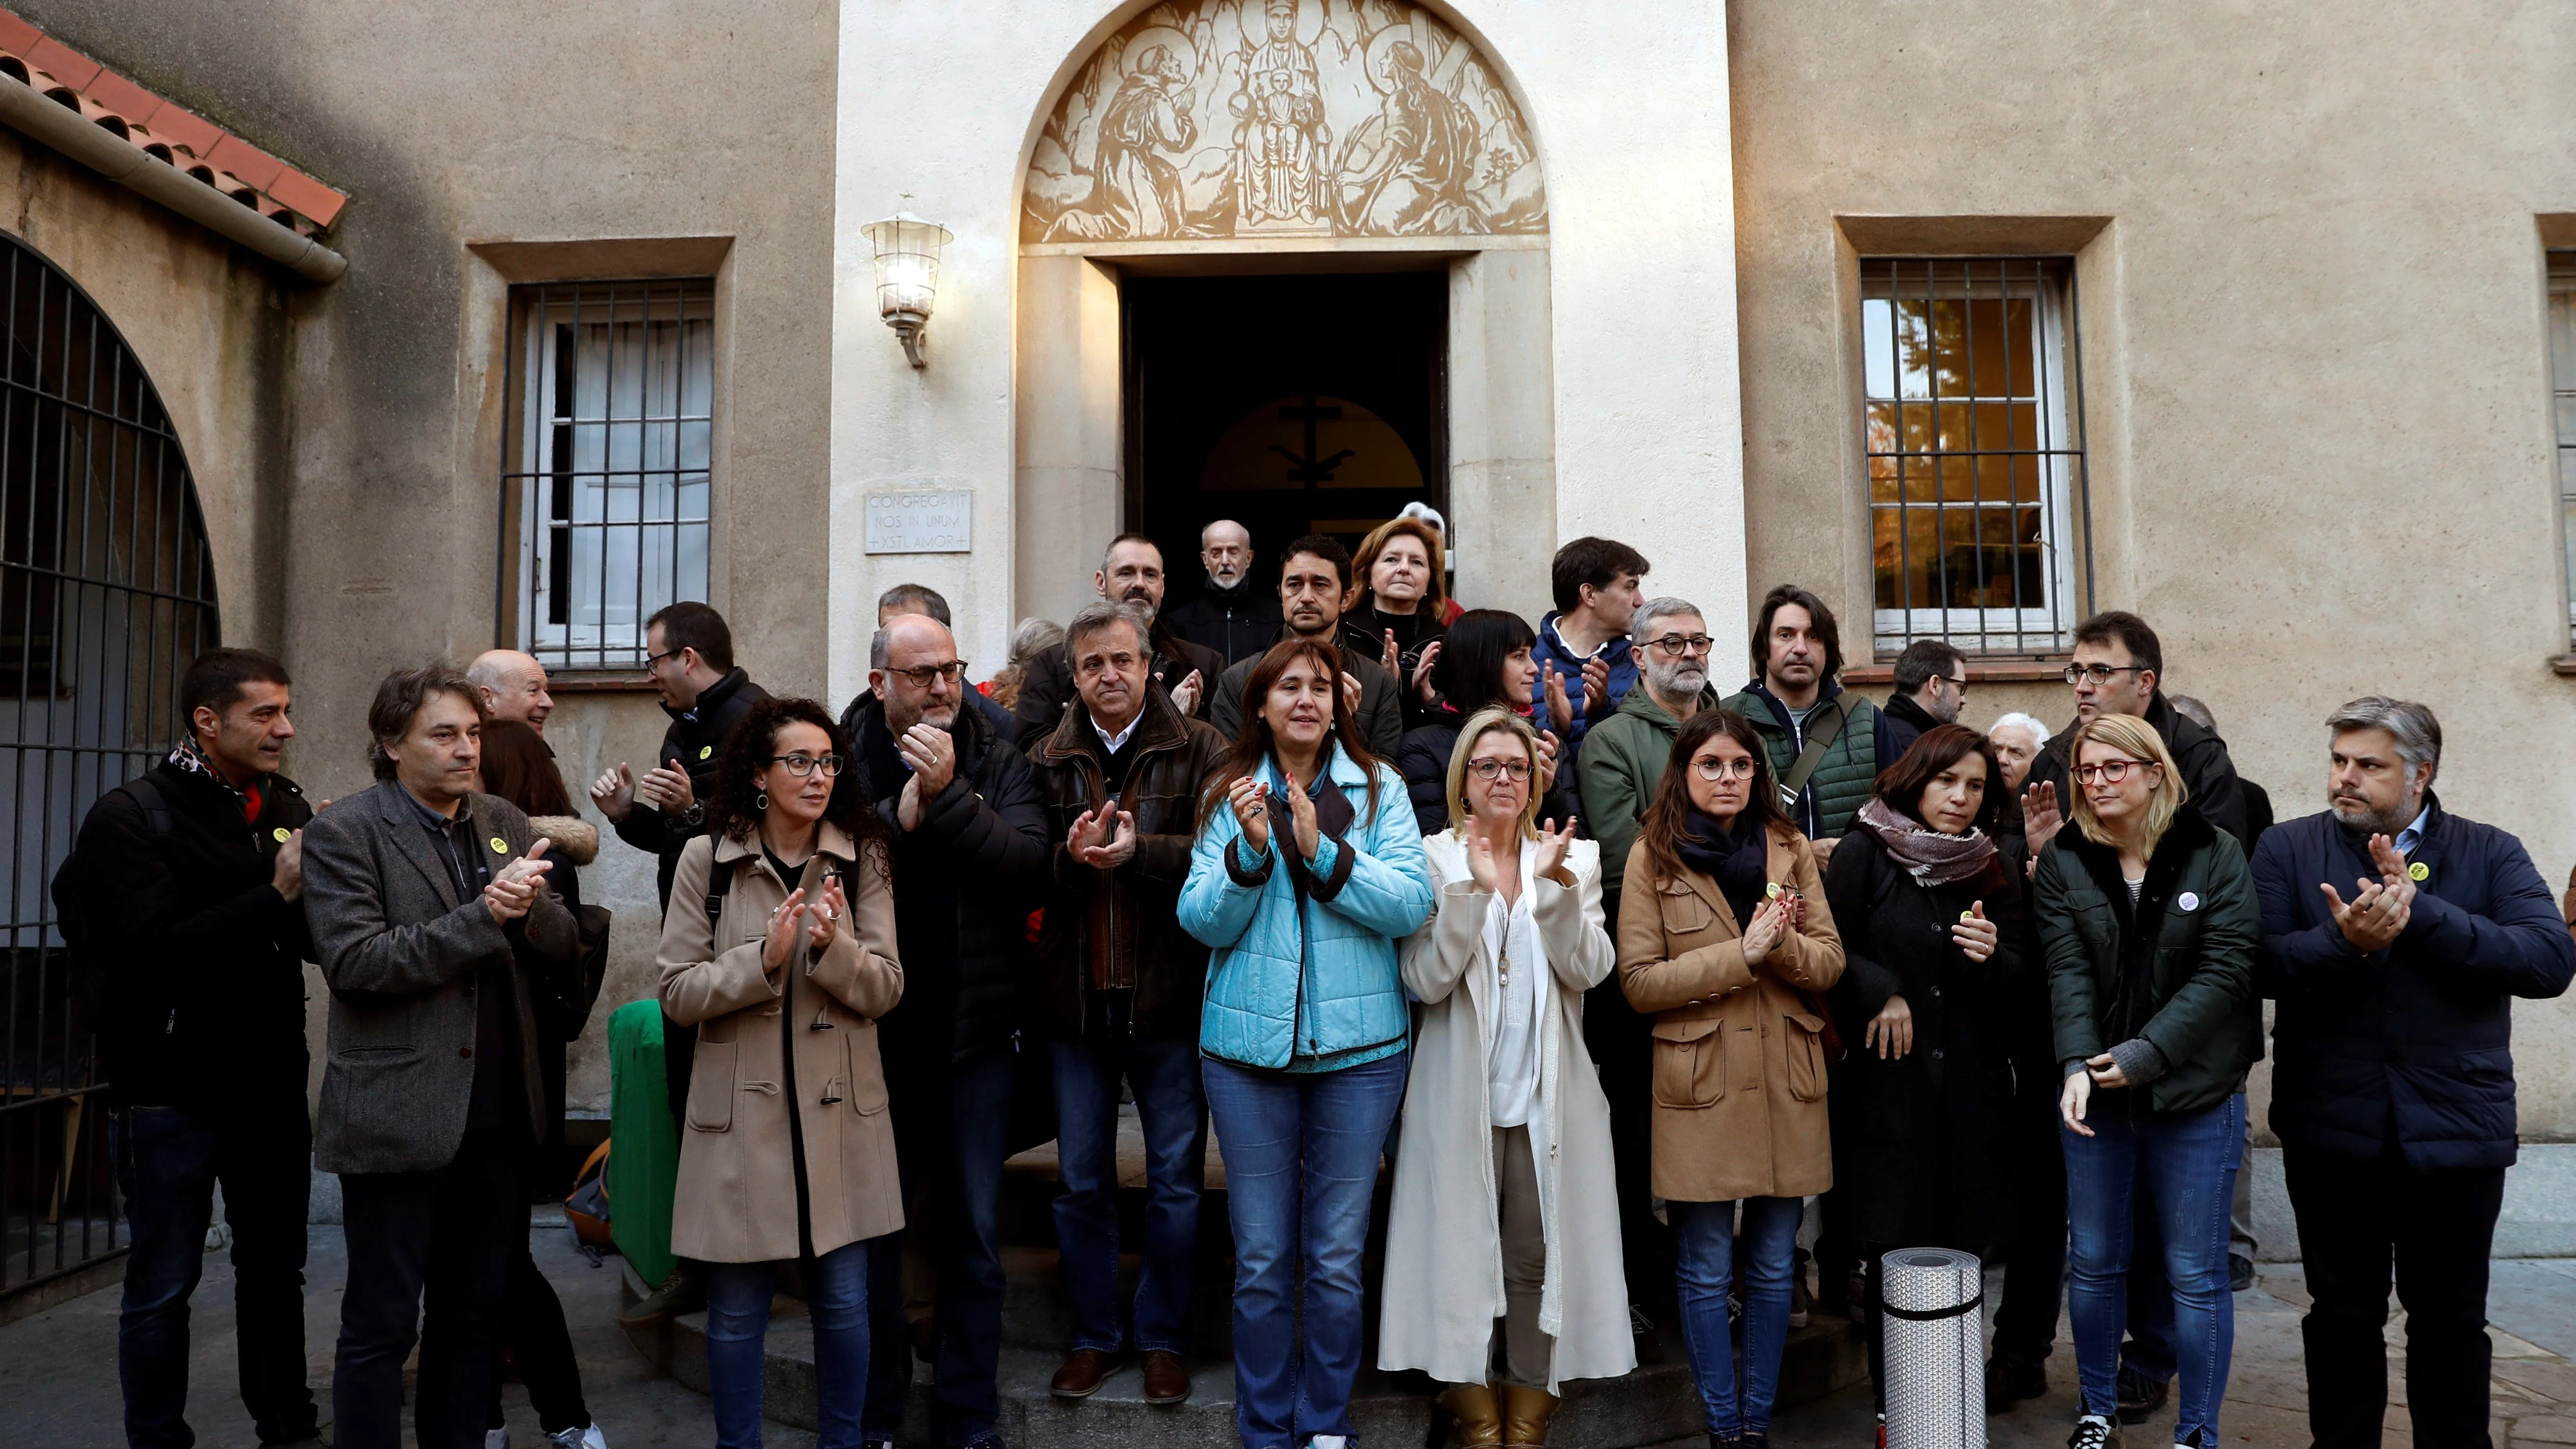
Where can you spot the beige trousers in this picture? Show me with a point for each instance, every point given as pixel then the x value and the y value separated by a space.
pixel 1526 1352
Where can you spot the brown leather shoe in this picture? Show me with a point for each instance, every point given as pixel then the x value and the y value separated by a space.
pixel 1081 1376
pixel 1167 1380
pixel 1475 1415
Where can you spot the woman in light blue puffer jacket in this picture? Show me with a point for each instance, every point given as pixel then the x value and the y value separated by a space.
pixel 1307 872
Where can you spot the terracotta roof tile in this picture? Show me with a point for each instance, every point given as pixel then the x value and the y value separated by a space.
pixel 201 148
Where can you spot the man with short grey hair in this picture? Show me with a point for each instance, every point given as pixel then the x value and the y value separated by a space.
pixel 928 602
pixel 512 686
pixel 2394 1093
pixel 1131 572
pixel 1231 613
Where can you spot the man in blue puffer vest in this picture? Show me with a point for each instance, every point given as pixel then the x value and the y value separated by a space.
pixel 2395 937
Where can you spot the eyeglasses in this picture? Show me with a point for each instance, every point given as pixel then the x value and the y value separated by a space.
pixel 1676 645
pixel 652 659
pixel 2098 673
pixel 1713 770
pixel 921 678
pixel 803 765
pixel 1517 770
pixel 2112 770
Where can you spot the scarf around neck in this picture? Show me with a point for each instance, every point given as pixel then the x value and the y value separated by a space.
pixel 1928 855
pixel 1736 856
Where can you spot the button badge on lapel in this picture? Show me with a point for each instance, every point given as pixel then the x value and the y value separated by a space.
pixel 500 846
pixel 2418 871
pixel 2188 901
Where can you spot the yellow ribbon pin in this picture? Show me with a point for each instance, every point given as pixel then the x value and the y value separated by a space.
pixel 2418 871
pixel 500 846
pixel 281 835
pixel 705 750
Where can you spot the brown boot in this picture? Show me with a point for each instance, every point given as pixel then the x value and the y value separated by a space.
pixel 1525 1415
pixel 1471 1408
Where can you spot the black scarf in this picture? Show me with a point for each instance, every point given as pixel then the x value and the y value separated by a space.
pixel 1738 858
pixel 1333 816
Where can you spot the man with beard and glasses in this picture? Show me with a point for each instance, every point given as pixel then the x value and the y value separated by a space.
pixel 2395 937
pixel 1931 689
pixel 1131 572
pixel 1621 764
pixel 1232 615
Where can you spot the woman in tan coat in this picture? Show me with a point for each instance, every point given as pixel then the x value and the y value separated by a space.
pixel 779 947
pixel 1725 939
pixel 1503 1205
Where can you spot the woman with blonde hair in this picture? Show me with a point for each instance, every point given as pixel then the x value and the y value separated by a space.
pixel 2148 922
pixel 1399 611
pixel 1504 1230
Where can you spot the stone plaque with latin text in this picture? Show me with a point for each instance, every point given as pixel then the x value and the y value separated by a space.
pixel 921 520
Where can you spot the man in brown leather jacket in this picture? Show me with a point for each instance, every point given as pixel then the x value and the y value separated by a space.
pixel 1121 775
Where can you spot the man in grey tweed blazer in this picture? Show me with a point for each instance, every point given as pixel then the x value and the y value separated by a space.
pixel 429 913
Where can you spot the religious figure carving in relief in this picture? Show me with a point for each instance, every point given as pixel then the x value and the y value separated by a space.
pixel 1208 119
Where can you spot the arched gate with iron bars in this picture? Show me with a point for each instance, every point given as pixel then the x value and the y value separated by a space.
pixel 107 590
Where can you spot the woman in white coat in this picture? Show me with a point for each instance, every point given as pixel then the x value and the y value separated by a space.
pixel 1504 1207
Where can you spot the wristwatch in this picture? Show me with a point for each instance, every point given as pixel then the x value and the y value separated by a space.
pixel 696 814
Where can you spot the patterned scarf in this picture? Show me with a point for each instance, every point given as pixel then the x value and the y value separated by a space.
pixel 1930 856
pixel 188 760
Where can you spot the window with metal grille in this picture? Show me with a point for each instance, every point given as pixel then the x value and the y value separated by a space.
pixel 107 590
pixel 605 490
pixel 1974 422
pixel 2562 381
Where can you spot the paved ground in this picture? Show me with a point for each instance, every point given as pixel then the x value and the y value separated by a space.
pixel 58 1369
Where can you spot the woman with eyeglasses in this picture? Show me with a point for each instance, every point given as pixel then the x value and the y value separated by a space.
pixel 1306 872
pixel 1504 1230
pixel 1484 664
pixel 2148 923
pixel 1725 938
pixel 779 946
pixel 1929 899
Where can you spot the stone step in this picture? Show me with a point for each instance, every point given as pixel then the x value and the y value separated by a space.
pixel 1650 1406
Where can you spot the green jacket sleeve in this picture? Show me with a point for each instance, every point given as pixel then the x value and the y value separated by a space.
pixel 1613 794
pixel 2072 987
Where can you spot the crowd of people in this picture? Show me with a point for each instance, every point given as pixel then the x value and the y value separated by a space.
pixel 1669 1008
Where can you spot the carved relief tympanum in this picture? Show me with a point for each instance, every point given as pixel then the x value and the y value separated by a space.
pixel 1283 118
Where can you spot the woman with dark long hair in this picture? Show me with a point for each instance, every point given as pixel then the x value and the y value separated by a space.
pixel 1726 940
pixel 518 767
pixel 1307 871
pixel 1933 931
pixel 788 1153
pixel 1484 663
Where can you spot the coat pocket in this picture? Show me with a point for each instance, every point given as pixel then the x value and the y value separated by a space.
pixel 1690 1062
pixel 1684 913
pixel 867 1073
pixel 711 1086
pixel 1802 1040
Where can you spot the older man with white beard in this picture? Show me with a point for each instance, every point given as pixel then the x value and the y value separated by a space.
pixel 2394 1092
pixel 1621 763
pixel 1231 614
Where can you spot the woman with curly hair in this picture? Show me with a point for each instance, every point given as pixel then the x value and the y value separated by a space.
pixel 779 948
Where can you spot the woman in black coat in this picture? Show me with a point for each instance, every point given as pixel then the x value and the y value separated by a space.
pixel 1484 662
pixel 1934 942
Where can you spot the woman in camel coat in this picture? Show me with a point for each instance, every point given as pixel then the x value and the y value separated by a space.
pixel 1503 1205
pixel 1740 1050
pixel 787 1153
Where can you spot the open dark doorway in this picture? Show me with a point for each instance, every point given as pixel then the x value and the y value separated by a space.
pixel 1293 404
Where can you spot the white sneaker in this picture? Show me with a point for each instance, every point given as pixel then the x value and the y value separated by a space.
pixel 496 1439
pixel 1328 1441
pixel 585 1437
pixel 2093 1431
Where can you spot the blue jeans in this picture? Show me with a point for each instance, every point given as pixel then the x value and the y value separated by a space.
pixel 1173 1111
pixel 167 1162
pixel 1301 1161
pixel 2186 1162
pixel 836 1298
pixel 951 1135
pixel 1704 1240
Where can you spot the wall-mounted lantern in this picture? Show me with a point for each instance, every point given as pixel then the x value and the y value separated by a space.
pixel 907 250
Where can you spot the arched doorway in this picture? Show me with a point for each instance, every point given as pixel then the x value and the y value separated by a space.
pixel 1238 201
pixel 107 590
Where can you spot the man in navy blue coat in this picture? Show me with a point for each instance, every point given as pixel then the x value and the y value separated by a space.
pixel 2393 1085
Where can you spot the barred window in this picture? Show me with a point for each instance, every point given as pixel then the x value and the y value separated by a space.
pixel 1976 451
pixel 605 492
pixel 2562 381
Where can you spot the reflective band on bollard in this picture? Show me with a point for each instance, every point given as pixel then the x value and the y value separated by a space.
pixel 1931 1337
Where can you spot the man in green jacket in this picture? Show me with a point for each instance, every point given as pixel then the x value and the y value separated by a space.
pixel 1796 689
pixel 1621 763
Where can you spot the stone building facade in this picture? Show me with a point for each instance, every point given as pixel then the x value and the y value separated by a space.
pixel 2264 298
